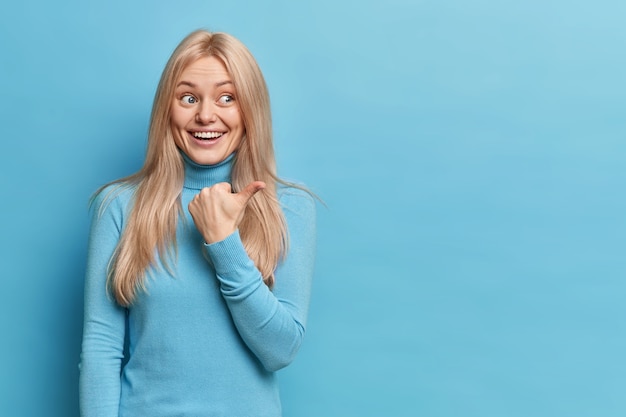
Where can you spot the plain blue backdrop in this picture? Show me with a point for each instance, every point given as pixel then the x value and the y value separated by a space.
pixel 471 260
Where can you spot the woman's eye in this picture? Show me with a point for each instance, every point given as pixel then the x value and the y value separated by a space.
pixel 188 99
pixel 226 99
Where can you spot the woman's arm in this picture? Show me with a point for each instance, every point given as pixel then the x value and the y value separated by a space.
pixel 104 319
pixel 271 323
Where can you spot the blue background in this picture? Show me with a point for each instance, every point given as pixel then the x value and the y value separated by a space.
pixel 471 155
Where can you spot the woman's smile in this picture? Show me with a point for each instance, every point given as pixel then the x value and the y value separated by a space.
pixel 207 135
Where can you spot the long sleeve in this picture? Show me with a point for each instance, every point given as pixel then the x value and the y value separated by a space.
pixel 271 323
pixel 104 319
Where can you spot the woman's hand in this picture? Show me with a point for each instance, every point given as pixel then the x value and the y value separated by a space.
pixel 217 211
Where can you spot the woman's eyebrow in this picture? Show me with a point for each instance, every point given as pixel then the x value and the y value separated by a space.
pixel 192 85
pixel 187 83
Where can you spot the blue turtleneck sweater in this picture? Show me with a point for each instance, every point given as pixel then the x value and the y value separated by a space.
pixel 205 340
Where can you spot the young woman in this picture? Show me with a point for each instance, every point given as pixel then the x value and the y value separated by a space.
pixel 202 261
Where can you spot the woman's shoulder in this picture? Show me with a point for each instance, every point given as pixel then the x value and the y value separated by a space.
pixel 295 196
pixel 114 196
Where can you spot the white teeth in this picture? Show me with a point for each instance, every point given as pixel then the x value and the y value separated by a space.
pixel 207 135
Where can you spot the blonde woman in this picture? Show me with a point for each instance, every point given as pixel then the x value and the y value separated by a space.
pixel 202 261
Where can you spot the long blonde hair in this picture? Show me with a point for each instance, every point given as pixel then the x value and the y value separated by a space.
pixel 158 184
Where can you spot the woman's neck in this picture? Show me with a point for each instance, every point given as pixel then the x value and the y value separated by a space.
pixel 199 176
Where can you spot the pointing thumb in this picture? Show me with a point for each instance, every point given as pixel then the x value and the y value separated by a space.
pixel 250 190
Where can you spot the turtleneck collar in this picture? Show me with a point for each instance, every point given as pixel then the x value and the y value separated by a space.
pixel 199 176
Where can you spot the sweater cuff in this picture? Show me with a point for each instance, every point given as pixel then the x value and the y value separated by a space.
pixel 229 256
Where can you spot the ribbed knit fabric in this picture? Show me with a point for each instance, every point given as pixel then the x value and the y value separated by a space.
pixel 207 340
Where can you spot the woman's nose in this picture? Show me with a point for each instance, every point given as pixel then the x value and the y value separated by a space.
pixel 206 113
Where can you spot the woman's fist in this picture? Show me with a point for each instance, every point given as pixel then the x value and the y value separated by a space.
pixel 217 211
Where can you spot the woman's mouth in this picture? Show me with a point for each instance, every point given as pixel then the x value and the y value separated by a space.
pixel 207 135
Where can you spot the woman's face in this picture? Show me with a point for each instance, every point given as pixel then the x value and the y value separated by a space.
pixel 206 122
